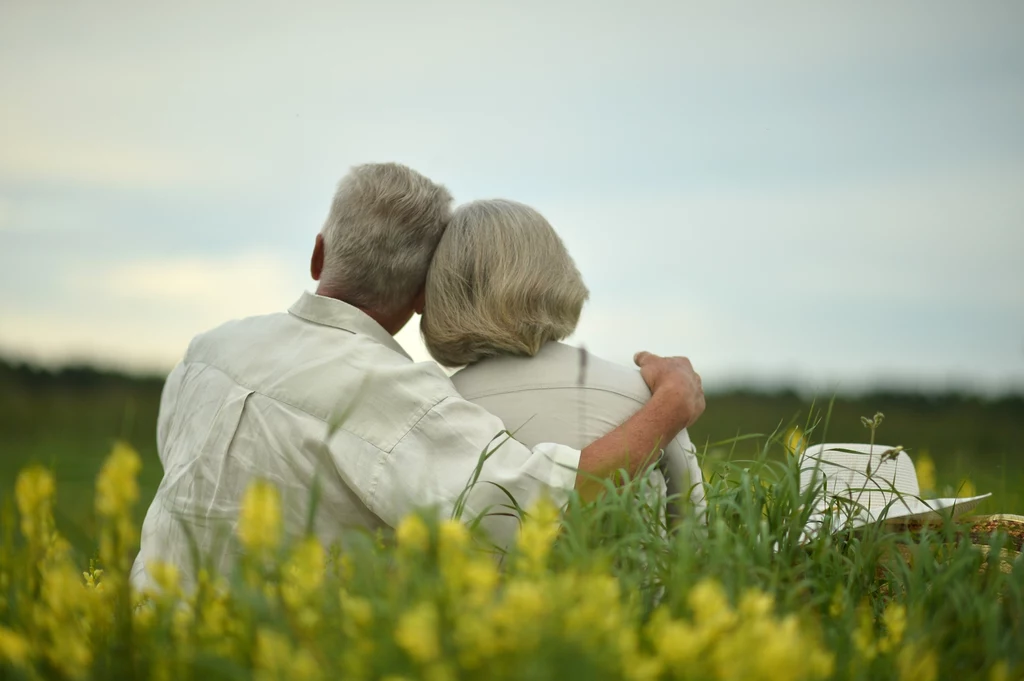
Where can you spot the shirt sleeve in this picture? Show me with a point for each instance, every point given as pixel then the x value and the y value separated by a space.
pixel 683 478
pixel 168 404
pixel 438 459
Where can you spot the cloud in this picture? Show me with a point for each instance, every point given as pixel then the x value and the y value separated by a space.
pixel 144 313
pixel 727 177
pixel 951 236
pixel 240 282
pixel 110 341
pixel 267 95
pixel 205 291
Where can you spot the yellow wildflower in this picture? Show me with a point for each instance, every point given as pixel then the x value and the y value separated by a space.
pixel 895 620
pixel 93 578
pixel 166 577
pixel 966 488
pixel 259 522
pixel 1000 671
pixel 643 668
pixel 794 441
pixel 276 659
pixel 215 625
pixel 925 468
pixel 480 577
pixel 439 671
pixel 537 535
pixel 677 642
pixel 303 577
pixel 453 537
pixel 593 611
pixel 864 635
pixel 358 610
pixel 413 534
pixel 916 663
pixel 14 648
pixel 305 569
pixel 116 493
pixel 117 490
pixel 144 616
pixel 34 492
pixel 756 604
pixel 417 633
pixel 711 609
pixel 358 617
pixel 181 624
pixel 524 600
pixel 66 613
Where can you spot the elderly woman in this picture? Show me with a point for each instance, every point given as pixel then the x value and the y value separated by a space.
pixel 501 293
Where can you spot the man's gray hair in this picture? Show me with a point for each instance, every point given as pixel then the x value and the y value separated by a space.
pixel 501 283
pixel 384 224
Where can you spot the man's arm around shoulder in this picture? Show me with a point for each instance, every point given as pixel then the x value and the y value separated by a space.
pixel 677 401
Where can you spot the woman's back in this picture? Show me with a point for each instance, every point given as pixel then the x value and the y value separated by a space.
pixel 566 395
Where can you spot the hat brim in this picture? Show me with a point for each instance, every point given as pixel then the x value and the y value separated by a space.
pixel 906 511
pixel 921 510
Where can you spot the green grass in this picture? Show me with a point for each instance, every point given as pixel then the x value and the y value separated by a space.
pixel 70 427
pixel 70 421
pixel 608 595
pixel 614 595
pixel 967 437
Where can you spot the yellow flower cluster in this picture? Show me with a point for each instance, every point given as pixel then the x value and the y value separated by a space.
pixel 925 467
pixel 720 641
pixel 63 618
pixel 277 659
pixel 500 621
pixel 117 492
pixel 34 493
pixel 259 523
pixel 437 607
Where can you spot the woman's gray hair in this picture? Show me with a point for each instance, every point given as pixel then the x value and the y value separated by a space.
pixel 384 224
pixel 501 282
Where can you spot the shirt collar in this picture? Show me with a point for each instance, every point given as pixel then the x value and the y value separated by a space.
pixel 340 315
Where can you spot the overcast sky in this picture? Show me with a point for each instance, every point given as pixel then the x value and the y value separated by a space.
pixel 822 194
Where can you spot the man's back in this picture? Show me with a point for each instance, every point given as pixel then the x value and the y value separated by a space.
pixel 259 397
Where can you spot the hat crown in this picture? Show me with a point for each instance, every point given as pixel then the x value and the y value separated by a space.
pixel 872 476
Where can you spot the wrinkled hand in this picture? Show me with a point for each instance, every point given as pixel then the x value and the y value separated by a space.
pixel 673 378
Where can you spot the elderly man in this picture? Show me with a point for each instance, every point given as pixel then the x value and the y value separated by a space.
pixel 322 397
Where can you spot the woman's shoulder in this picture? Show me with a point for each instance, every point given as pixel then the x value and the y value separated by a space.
pixel 557 365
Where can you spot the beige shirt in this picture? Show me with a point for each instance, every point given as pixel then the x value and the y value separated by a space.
pixel 566 395
pixel 323 395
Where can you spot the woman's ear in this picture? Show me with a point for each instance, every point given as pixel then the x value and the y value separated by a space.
pixel 419 302
pixel 316 263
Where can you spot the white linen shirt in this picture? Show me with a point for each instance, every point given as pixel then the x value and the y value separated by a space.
pixel 323 396
pixel 568 395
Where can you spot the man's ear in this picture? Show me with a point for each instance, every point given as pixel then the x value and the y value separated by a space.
pixel 316 263
pixel 419 302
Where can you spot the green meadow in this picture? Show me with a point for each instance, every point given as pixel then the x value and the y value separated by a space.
pixel 68 420
pixel 600 592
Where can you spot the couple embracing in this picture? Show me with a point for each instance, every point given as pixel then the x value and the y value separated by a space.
pixel 322 396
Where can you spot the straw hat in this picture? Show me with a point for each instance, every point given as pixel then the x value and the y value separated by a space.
pixel 860 484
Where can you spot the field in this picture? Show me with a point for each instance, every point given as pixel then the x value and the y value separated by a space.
pixel 69 420
pixel 600 593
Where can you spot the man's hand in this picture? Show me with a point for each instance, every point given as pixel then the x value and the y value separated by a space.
pixel 673 378
pixel 677 400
